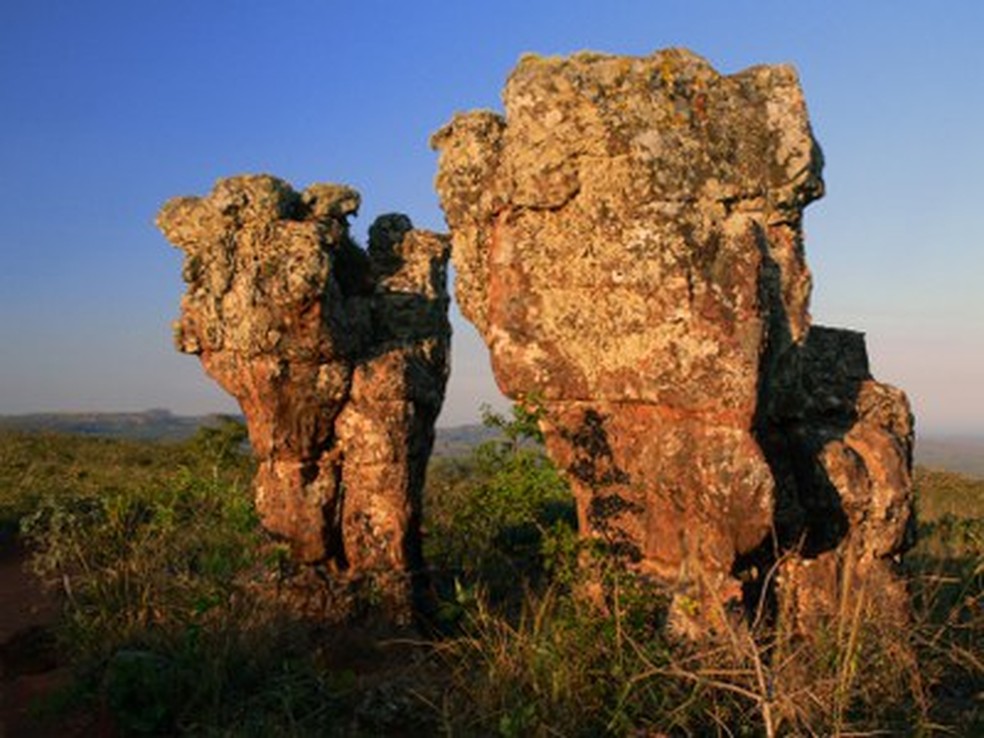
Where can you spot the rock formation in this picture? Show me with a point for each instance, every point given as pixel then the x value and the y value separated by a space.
pixel 337 356
pixel 840 447
pixel 628 241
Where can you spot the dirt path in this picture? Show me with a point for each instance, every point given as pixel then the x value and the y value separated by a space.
pixel 29 662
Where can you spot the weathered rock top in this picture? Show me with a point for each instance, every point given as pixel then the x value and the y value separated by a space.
pixel 259 255
pixel 699 134
pixel 621 186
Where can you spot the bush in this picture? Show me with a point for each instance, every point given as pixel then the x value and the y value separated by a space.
pixel 150 546
pixel 503 519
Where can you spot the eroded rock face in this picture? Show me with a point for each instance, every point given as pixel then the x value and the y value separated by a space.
pixel 337 356
pixel 840 446
pixel 628 240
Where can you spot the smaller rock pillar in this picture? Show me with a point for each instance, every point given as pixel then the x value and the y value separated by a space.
pixel 338 358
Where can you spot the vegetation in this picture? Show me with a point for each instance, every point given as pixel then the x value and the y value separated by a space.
pixel 564 663
pixel 499 519
pixel 160 564
pixel 151 547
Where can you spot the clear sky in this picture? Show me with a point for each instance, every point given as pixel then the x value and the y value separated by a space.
pixel 107 109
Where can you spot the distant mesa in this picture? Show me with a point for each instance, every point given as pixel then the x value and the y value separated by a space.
pixel 156 424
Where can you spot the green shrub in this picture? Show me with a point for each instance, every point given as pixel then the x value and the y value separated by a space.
pixel 151 546
pixel 563 664
pixel 502 519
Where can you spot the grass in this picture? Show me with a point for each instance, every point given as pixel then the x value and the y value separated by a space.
pixel 156 553
pixel 559 665
pixel 162 568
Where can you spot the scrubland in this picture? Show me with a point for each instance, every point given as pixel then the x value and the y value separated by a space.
pixel 156 557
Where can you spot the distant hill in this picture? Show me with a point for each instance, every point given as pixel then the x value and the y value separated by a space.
pixel 163 425
pixel 963 454
pixel 149 425
pixel 461 439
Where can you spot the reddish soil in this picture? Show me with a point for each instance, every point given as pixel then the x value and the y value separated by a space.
pixel 31 675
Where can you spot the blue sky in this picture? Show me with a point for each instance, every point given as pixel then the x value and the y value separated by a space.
pixel 107 109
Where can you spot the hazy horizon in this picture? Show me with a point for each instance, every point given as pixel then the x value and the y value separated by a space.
pixel 111 108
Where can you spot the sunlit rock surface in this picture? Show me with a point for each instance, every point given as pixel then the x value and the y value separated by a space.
pixel 628 240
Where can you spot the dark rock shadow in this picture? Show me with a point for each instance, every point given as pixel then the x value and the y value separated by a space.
pixel 807 397
pixel 594 466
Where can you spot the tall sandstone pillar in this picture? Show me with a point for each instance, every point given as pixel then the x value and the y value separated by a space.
pixel 628 241
pixel 337 356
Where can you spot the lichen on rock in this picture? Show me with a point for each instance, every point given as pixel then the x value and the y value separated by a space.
pixel 628 240
pixel 337 356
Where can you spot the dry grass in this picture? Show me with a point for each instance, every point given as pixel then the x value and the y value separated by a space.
pixel 149 545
